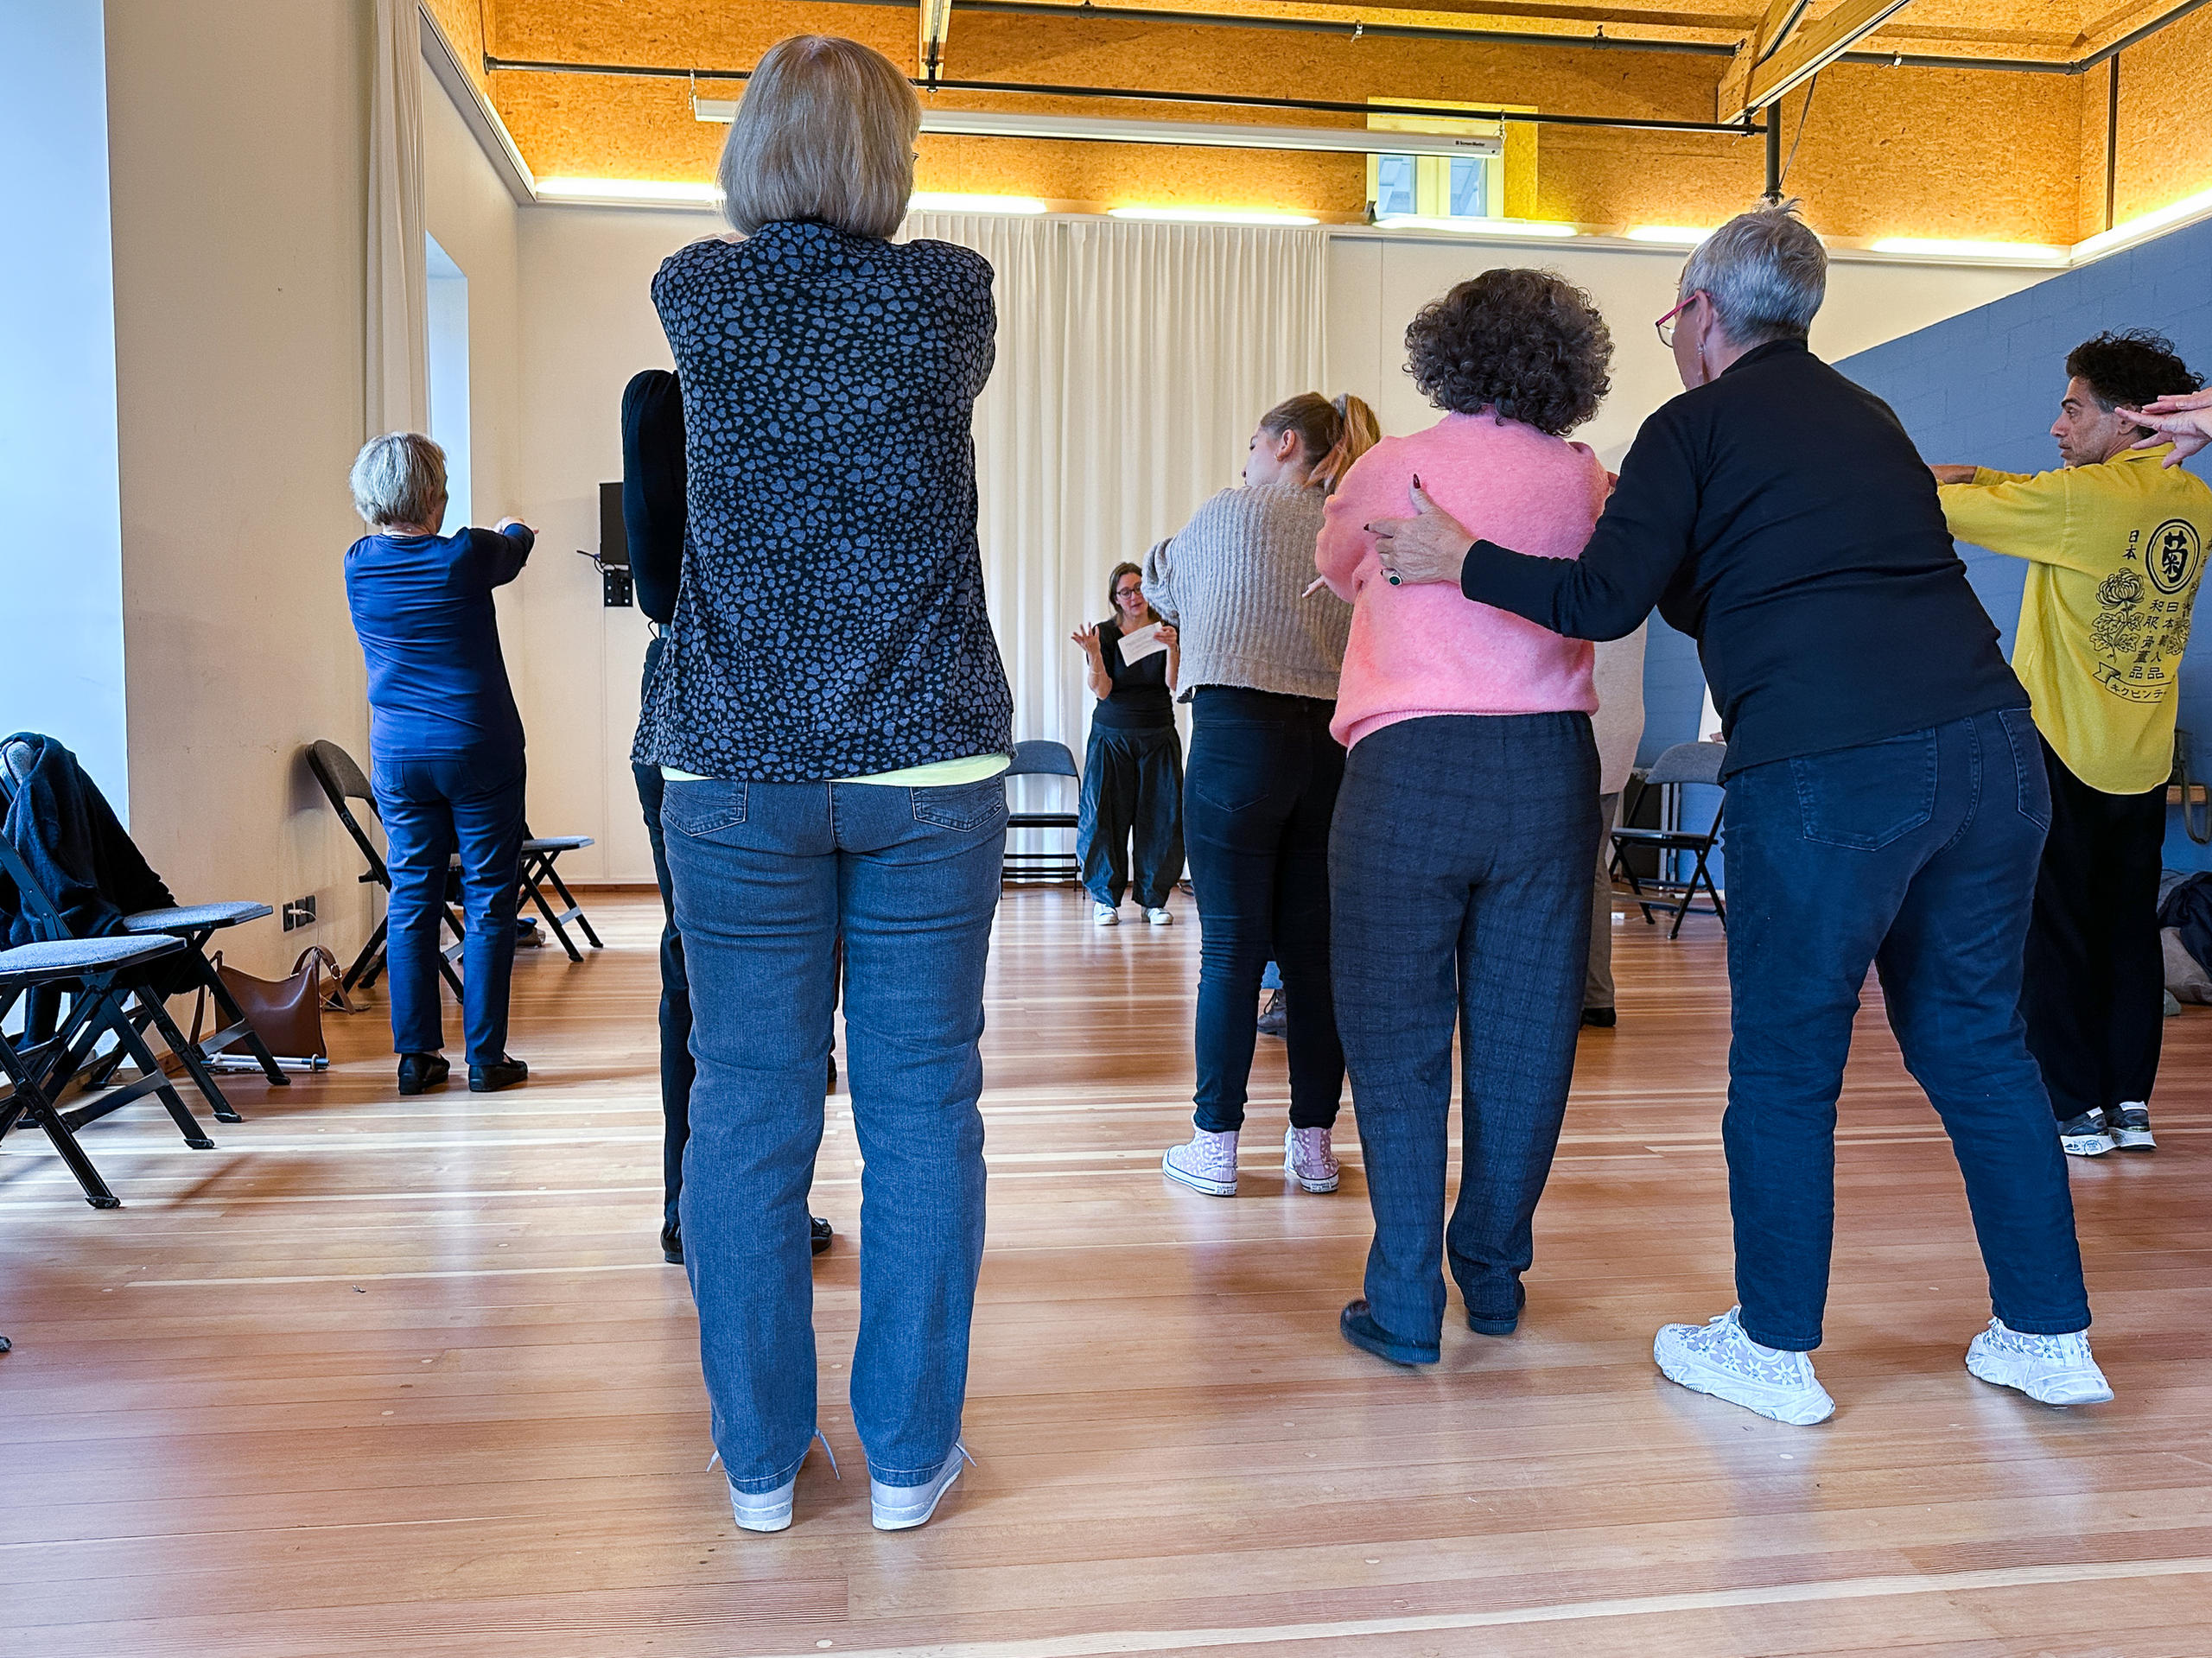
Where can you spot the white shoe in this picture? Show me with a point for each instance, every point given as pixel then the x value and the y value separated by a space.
pixel 1307 1159
pixel 1206 1162
pixel 1105 915
pixel 2129 1125
pixel 1158 916
pixel 901 1507
pixel 1720 1359
pixel 771 1510
pixel 2049 1370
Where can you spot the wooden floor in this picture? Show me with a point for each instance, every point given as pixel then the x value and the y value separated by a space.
pixel 408 1377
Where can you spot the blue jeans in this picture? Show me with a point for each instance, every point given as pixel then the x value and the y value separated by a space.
pixel 1132 798
pixel 1917 854
pixel 1257 800
pixel 432 806
pixel 1460 871
pixel 766 875
pixel 676 1066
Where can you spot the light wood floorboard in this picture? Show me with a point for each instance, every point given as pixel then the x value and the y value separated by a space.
pixel 379 1374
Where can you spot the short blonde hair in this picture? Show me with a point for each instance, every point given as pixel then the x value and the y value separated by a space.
pixel 826 132
pixel 399 478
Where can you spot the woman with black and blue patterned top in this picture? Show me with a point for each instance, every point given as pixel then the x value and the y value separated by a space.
pixel 831 719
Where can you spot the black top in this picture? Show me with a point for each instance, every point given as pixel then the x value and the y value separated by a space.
pixel 430 634
pixel 829 619
pixel 1140 700
pixel 652 488
pixel 1780 517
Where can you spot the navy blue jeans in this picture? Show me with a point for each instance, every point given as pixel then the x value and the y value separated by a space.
pixel 1464 852
pixel 676 1067
pixel 766 875
pixel 1919 855
pixel 1257 802
pixel 433 806
pixel 1132 801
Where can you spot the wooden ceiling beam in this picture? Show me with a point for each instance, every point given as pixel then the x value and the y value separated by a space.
pixel 1759 77
pixel 1763 41
pixel 936 21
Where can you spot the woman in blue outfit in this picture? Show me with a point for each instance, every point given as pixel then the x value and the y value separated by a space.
pixel 445 749
pixel 1132 768
pixel 831 719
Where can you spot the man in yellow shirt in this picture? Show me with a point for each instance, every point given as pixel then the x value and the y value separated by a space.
pixel 2115 543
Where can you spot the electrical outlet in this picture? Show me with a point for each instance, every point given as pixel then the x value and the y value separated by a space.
pixel 299 912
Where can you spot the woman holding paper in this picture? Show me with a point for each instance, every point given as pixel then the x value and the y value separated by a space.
pixel 1132 768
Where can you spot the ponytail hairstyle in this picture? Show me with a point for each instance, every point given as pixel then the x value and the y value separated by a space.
pixel 1113 590
pixel 1331 435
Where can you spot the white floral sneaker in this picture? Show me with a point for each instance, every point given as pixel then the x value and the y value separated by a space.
pixel 1720 1359
pixel 1206 1162
pixel 1307 1159
pixel 2049 1370
pixel 1105 915
pixel 1158 917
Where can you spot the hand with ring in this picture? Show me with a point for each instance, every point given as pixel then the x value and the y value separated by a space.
pixel 1431 547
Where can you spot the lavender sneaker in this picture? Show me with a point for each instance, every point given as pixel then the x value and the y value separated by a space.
pixel 1206 1162
pixel 1308 1159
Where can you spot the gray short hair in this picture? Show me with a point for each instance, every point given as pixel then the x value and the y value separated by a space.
pixel 826 132
pixel 1765 273
pixel 399 478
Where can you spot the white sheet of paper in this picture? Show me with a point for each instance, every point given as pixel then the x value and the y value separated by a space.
pixel 1142 643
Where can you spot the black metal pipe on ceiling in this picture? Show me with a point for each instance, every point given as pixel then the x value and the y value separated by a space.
pixel 1238 100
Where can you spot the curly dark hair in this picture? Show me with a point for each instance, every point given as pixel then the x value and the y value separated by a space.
pixel 1528 343
pixel 2130 369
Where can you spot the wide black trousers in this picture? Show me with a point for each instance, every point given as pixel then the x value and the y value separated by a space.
pixel 1132 798
pixel 2091 994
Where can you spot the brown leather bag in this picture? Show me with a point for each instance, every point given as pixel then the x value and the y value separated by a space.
pixel 286 1013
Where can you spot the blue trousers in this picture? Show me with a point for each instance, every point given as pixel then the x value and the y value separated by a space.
pixel 1917 855
pixel 766 876
pixel 433 806
pixel 1132 800
pixel 676 1067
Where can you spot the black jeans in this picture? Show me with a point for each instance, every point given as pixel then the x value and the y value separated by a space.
pixel 1131 789
pixel 2091 994
pixel 1257 800
pixel 1916 854
pixel 1461 870
pixel 676 1066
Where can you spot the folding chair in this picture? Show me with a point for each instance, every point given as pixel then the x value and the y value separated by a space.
pixel 91 970
pixel 195 924
pixel 1042 757
pixel 1681 764
pixel 538 854
pixel 342 780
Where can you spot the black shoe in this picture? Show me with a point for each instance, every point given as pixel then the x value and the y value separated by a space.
pixel 671 1243
pixel 1604 1017
pixel 500 1073
pixel 1360 1329
pixel 1275 1017
pixel 820 1236
pixel 420 1071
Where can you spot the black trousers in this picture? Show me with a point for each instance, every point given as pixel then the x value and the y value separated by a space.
pixel 1257 802
pixel 1132 791
pixel 677 1068
pixel 2091 994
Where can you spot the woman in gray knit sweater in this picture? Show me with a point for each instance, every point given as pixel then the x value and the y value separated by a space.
pixel 1261 648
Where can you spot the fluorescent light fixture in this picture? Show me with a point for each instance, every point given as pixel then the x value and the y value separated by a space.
pixel 939 201
pixel 1540 229
pixel 644 193
pixel 1672 236
pixel 1213 215
pixel 1995 252
pixel 2150 224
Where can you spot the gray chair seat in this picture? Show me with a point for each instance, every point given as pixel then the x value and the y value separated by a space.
pixel 64 956
pixel 556 842
pixel 182 917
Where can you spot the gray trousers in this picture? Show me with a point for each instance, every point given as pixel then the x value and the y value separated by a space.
pixel 1598 980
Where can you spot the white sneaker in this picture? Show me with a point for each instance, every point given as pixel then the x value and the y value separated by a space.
pixel 771 1510
pixel 2085 1135
pixel 2049 1370
pixel 901 1507
pixel 1720 1359
pixel 2129 1125
pixel 1206 1162
pixel 1158 916
pixel 1307 1159
pixel 1105 915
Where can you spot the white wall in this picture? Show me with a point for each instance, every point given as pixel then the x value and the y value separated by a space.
pixel 238 140
pixel 62 670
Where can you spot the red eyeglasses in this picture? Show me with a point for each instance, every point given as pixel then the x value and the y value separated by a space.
pixel 1665 325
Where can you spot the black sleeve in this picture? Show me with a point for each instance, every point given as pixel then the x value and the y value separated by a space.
pixel 652 488
pixel 1641 540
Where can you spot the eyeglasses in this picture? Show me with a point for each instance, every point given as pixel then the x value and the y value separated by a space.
pixel 1665 325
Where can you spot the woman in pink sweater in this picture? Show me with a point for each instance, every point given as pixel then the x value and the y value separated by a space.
pixel 1460 859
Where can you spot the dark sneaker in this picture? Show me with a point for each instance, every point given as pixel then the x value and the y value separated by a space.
pixel 2130 1127
pixel 820 1235
pixel 671 1243
pixel 1602 1018
pixel 1275 1018
pixel 420 1073
pixel 500 1073
pixel 1359 1328
pixel 2085 1135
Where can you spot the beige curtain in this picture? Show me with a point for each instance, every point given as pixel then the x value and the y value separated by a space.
pixel 397 293
pixel 1133 360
